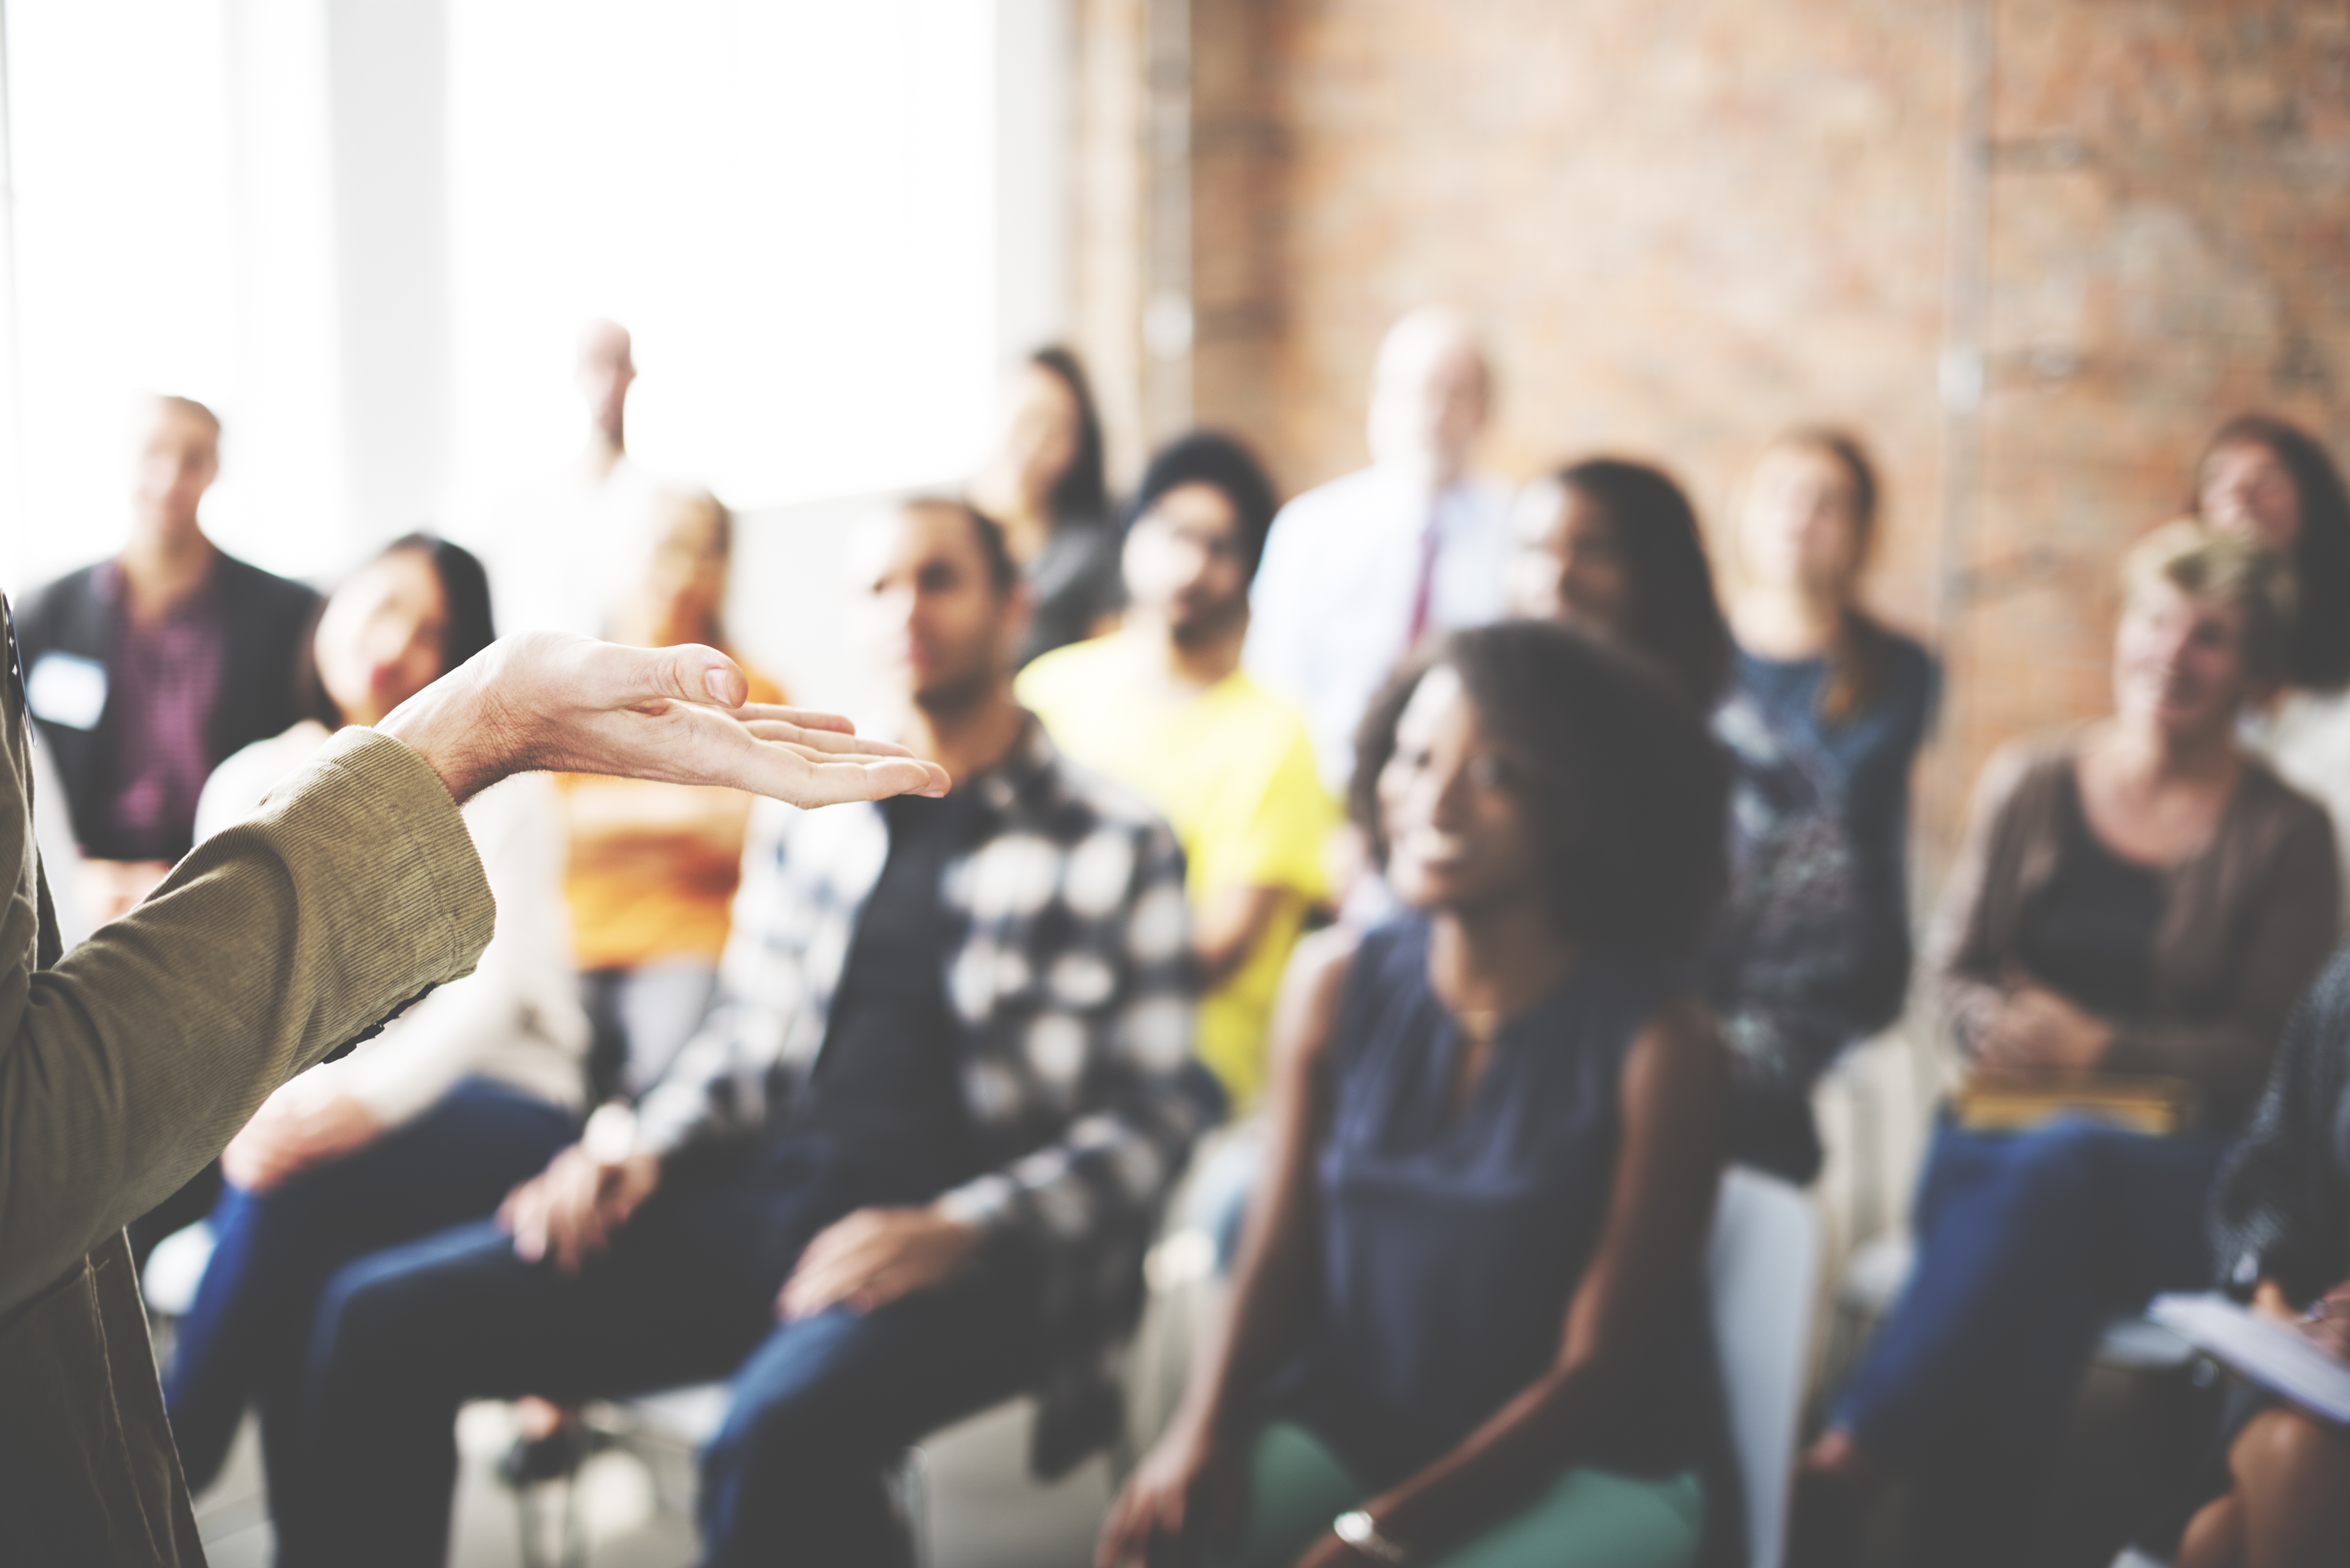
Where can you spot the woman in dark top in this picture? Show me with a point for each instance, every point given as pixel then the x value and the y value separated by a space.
pixel 1467 1322
pixel 1813 658
pixel 2137 897
pixel 1046 483
pixel 2282 1227
pixel 1793 968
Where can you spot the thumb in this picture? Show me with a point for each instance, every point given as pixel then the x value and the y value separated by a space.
pixel 692 673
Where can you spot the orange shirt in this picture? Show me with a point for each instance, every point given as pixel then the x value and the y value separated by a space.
pixel 653 865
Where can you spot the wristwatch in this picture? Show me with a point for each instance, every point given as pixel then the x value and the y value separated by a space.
pixel 1361 1532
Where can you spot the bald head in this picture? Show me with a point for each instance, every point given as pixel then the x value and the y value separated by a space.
pixel 1430 393
pixel 175 456
pixel 607 366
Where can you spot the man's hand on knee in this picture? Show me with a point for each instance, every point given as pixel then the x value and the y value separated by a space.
pixel 873 1257
pixel 570 1209
pixel 548 702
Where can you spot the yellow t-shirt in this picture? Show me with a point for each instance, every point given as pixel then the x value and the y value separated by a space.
pixel 1232 769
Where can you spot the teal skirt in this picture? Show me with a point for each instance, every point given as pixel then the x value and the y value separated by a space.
pixel 1587 1518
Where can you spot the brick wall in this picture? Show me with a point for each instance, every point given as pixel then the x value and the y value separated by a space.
pixel 1690 223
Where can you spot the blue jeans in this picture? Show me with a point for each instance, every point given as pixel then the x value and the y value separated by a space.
pixel 687 1294
pixel 243 1337
pixel 2027 1243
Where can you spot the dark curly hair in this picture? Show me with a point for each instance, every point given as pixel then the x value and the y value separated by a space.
pixel 1220 461
pixel 1629 784
pixel 2320 646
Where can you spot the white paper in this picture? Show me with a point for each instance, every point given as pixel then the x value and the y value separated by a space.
pixel 2275 1356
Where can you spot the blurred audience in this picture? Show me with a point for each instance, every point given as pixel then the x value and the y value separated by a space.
pixel 2136 897
pixel 560 551
pixel 1468 1324
pixel 1814 660
pixel 2271 482
pixel 1046 483
pixel 654 866
pixel 908 1169
pixel 1791 969
pixel 1163 706
pixel 145 671
pixel 474 1088
pixel 1359 569
pixel 2282 1230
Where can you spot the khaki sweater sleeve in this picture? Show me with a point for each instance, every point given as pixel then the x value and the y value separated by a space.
pixel 128 1064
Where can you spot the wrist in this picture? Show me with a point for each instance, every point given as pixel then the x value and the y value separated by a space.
pixel 1362 1534
pixel 449 724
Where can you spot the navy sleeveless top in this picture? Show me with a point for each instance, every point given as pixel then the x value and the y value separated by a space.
pixel 1452 1246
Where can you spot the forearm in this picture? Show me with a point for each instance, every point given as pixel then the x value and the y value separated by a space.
pixel 1501 1465
pixel 134 1060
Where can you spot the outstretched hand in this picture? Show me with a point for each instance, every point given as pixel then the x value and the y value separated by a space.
pixel 550 702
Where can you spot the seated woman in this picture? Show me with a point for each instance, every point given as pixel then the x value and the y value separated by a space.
pixel 1466 1322
pixel 2136 897
pixel 1044 482
pixel 1820 664
pixel 653 867
pixel 2274 483
pixel 472 1090
pixel 1793 968
pixel 2283 1227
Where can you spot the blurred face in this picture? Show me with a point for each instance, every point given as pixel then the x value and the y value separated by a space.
pixel 607 369
pixel 2179 662
pixel 2248 490
pixel 1184 562
pixel 937 624
pixel 380 641
pixel 684 580
pixel 1038 439
pixel 1453 805
pixel 1568 565
pixel 1801 527
pixel 1429 397
pixel 176 458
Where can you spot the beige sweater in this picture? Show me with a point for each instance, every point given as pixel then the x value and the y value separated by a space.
pixel 127 1064
pixel 2245 924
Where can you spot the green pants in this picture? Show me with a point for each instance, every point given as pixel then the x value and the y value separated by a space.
pixel 1588 1518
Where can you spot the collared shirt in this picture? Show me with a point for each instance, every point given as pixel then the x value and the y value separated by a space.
pixel 1332 607
pixel 1070 984
pixel 159 719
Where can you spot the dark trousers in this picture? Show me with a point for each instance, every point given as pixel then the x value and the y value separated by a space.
pixel 2027 1243
pixel 821 1407
pixel 244 1337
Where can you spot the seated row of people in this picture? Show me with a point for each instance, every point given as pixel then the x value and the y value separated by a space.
pixel 947 1067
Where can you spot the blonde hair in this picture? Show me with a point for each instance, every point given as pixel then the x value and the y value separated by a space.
pixel 2206 564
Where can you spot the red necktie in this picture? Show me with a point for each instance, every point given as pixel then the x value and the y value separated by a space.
pixel 1430 538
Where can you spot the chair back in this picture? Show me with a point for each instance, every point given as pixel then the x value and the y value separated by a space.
pixel 1761 1268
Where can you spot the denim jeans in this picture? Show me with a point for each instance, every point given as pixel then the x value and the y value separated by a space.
pixel 687 1294
pixel 2027 1243
pixel 244 1338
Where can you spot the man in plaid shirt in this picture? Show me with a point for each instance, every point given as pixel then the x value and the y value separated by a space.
pixel 905 1169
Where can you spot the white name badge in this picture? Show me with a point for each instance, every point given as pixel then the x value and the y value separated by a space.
pixel 67 689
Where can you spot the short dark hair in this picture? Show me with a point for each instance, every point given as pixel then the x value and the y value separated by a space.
pixel 1628 780
pixel 1677 618
pixel 2320 646
pixel 1220 461
pixel 1082 492
pixel 995 550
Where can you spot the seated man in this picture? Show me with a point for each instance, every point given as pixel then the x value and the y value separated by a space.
pixel 905 1170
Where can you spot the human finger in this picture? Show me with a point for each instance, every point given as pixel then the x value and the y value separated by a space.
pixel 844 741
pixel 805 717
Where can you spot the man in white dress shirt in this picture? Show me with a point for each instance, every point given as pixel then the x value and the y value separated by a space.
pixel 1359 570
